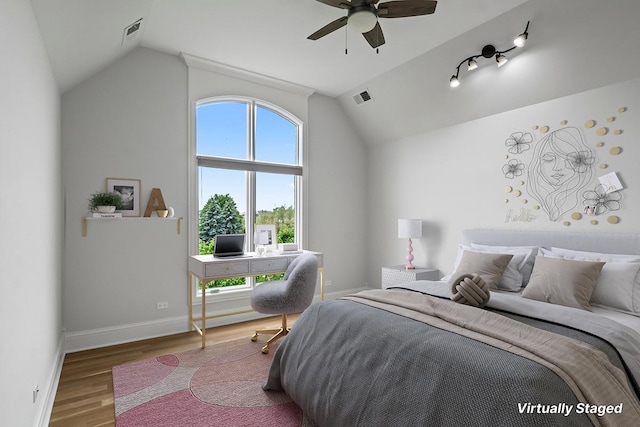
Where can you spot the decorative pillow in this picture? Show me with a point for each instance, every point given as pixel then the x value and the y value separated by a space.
pixel 470 289
pixel 512 278
pixel 524 268
pixel 563 282
pixel 488 266
pixel 618 285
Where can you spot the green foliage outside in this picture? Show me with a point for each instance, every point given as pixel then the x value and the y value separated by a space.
pixel 220 215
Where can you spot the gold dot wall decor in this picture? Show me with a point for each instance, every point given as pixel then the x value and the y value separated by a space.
pixel 580 158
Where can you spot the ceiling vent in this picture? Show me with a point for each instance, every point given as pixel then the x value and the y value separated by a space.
pixel 362 97
pixel 131 31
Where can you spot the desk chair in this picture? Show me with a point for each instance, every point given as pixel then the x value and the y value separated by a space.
pixel 291 295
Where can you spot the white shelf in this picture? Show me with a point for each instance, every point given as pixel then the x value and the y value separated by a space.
pixel 129 218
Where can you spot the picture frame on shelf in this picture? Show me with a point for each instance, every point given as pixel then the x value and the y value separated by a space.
pixel 272 236
pixel 129 189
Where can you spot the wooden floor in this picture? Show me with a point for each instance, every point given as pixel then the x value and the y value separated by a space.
pixel 85 390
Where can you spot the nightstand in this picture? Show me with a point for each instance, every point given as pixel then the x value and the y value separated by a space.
pixel 397 275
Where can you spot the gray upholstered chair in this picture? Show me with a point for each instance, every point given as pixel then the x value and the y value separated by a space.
pixel 291 295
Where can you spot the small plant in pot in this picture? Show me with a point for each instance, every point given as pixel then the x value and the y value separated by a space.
pixel 105 202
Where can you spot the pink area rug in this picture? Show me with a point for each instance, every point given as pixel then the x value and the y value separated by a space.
pixel 220 385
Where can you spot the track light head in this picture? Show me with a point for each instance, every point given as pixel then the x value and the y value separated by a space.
pixel 501 59
pixel 472 64
pixel 454 82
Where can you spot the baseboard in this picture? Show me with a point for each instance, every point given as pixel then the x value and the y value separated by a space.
pixel 103 337
pixel 44 416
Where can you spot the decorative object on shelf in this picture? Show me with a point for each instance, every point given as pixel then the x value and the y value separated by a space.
pixel 172 212
pixel 271 239
pixel 129 190
pixel 105 202
pixel 262 238
pixel 156 201
pixel 409 229
pixel 162 213
pixel 489 51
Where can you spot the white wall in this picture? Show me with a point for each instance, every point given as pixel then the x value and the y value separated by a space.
pixel 131 121
pixel 127 121
pixel 31 205
pixel 452 177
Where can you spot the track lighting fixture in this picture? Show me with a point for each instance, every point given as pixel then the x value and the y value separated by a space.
pixel 489 51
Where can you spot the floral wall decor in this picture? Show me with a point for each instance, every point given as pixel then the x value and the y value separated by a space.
pixel 553 173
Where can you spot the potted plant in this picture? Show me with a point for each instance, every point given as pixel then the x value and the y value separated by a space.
pixel 105 202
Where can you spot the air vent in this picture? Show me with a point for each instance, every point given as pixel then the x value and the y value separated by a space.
pixel 362 97
pixel 131 31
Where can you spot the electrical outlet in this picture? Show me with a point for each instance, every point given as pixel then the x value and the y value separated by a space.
pixel 162 305
pixel 36 390
pixel 327 282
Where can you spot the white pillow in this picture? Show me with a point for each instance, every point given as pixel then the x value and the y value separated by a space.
pixel 597 256
pixel 526 268
pixel 618 285
pixel 511 279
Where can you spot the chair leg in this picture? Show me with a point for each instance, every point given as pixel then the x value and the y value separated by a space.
pixel 279 333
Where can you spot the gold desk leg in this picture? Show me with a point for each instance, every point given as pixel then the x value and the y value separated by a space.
pixel 179 221
pixel 190 301
pixel 84 226
pixel 321 283
pixel 204 311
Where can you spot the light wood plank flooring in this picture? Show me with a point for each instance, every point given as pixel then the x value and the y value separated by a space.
pixel 85 390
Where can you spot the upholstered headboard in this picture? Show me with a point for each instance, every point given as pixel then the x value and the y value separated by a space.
pixel 620 243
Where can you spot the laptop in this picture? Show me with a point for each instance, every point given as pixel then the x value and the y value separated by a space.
pixel 228 245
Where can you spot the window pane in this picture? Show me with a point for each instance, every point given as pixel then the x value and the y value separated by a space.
pixel 222 207
pixel 275 203
pixel 276 138
pixel 222 203
pixel 221 129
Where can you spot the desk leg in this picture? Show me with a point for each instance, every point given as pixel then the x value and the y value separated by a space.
pixel 321 270
pixel 204 313
pixel 190 301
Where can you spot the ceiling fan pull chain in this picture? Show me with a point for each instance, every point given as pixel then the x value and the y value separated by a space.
pixel 346 30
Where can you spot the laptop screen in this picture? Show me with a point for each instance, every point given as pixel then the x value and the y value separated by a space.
pixel 228 245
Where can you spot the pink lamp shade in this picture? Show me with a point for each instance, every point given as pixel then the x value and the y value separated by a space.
pixel 408 229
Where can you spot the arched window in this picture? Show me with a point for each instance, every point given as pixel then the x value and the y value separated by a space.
pixel 249 173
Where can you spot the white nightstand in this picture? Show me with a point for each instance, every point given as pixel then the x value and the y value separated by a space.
pixel 397 275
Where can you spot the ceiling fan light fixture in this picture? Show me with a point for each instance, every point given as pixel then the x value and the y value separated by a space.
pixel 472 64
pixel 501 59
pixel 362 21
pixel 454 82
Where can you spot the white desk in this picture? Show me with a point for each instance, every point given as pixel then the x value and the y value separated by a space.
pixel 207 268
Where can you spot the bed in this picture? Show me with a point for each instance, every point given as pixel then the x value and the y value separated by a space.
pixel 535 354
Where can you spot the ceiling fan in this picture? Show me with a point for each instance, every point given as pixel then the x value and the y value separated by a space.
pixel 362 15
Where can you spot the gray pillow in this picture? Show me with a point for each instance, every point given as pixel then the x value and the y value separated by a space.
pixel 487 265
pixel 563 282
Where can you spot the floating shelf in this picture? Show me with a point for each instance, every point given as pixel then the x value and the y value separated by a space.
pixel 133 218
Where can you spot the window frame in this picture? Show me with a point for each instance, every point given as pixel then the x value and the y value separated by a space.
pixel 251 167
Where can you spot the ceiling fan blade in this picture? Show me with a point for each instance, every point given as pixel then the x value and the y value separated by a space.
pixel 375 36
pixel 403 9
pixel 342 4
pixel 329 28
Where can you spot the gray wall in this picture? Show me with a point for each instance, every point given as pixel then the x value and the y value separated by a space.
pixel 31 225
pixel 131 121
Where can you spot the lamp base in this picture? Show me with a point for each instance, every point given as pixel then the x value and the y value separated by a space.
pixel 409 265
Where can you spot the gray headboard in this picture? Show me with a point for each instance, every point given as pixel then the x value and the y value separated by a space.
pixel 619 243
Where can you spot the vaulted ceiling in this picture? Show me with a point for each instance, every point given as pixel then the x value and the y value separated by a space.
pixel 263 36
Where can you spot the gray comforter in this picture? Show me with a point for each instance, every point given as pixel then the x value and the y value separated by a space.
pixel 349 364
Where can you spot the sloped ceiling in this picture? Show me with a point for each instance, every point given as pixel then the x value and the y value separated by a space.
pixel 263 36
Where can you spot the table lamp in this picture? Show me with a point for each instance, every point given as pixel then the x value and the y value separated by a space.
pixel 408 229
